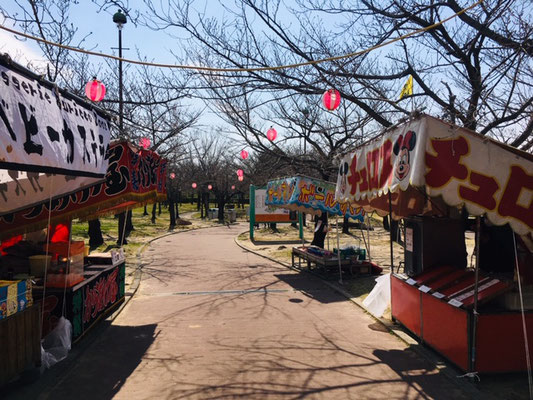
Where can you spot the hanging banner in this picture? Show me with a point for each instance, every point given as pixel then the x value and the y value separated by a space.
pixel 309 195
pixel 133 176
pixel 43 129
pixel 429 165
pixel 20 190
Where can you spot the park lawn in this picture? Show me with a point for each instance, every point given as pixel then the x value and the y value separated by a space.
pixel 144 229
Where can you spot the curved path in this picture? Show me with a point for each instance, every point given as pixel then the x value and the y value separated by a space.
pixel 212 321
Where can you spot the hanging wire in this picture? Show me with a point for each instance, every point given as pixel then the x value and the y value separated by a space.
pixel 524 328
pixel 256 69
pixel 67 271
pixel 46 255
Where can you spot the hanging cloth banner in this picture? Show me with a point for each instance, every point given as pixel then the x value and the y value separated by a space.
pixel 43 129
pixel 309 195
pixel 133 177
pixel 20 190
pixel 430 165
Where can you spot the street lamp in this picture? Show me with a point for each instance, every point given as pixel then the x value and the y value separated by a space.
pixel 120 19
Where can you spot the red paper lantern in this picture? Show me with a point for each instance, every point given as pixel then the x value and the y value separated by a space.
pixel 272 134
pixel 244 154
pixel 210 187
pixel 95 90
pixel 241 178
pixel 232 187
pixel 240 172
pixel 194 185
pixel 331 99
pixel 173 175
pixel 144 143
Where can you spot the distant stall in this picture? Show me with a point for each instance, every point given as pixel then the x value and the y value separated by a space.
pixel 314 196
pixel 443 180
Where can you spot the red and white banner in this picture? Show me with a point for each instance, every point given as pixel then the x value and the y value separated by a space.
pixel 426 161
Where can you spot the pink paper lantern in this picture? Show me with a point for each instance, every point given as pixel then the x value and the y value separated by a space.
pixel 172 175
pixel 244 154
pixel 210 187
pixel 144 143
pixel 240 172
pixel 241 178
pixel 331 99
pixel 232 187
pixel 272 134
pixel 95 90
pixel 194 185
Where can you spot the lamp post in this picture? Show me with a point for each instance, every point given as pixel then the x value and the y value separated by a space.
pixel 120 19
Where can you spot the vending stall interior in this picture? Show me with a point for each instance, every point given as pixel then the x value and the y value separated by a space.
pixel 53 145
pixel 314 196
pixel 72 283
pixel 442 180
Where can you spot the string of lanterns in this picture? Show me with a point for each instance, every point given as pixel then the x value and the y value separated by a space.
pixel 95 91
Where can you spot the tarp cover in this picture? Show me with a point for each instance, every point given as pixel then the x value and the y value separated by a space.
pixel 309 195
pixel 431 166
pixel 45 130
pixel 133 177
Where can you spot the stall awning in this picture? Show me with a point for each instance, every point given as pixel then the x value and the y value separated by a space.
pixel 430 166
pixel 53 143
pixel 309 195
pixel 133 177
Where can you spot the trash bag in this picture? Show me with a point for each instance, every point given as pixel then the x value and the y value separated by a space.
pixel 56 345
pixel 378 299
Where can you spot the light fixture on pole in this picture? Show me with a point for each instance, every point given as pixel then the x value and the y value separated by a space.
pixel 120 19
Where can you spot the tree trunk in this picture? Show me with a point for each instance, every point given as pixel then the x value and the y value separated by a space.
pixel 95 234
pixel 129 223
pixel 154 210
pixel 321 229
pixel 121 224
pixel 221 204
pixel 172 213
pixel 159 213
pixel 345 225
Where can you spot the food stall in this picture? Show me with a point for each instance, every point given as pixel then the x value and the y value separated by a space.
pixel 53 145
pixel 90 286
pixel 443 180
pixel 314 196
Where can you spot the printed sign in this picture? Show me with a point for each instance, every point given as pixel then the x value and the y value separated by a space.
pixel 44 131
pixel 266 213
pixel 309 195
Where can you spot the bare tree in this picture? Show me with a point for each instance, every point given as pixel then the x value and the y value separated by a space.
pixel 475 69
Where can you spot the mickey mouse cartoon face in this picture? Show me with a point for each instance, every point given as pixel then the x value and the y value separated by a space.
pixel 343 172
pixel 402 149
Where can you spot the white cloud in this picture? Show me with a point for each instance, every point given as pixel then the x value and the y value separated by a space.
pixel 20 51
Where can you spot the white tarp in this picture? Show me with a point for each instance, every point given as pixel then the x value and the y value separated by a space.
pixel 43 131
pixel 439 159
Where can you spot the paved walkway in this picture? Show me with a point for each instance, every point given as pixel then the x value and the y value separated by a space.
pixel 212 321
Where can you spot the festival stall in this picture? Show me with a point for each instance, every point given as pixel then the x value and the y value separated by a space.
pixel 435 175
pixel 314 196
pixel 53 144
pixel 89 286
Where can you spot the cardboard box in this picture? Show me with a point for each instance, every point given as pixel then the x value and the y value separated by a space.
pixel 14 297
